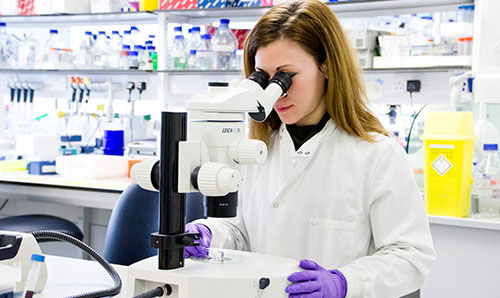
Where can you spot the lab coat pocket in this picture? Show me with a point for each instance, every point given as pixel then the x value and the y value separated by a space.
pixel 331 241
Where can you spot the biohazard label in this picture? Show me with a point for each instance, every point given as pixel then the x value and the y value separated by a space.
pixel 441 165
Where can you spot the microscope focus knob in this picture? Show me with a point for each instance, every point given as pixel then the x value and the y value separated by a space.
pixel 247 151
pixel 142 174
pixel 217 179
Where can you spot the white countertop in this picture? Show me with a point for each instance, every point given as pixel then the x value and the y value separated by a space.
pixel 117 184
pixel 485 224
pixel 67 276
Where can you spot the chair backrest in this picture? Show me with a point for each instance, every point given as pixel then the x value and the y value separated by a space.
pixel 134 217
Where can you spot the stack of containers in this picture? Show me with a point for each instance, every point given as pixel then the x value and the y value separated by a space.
pixel 364 41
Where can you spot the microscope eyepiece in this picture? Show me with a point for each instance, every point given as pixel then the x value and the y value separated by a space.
pixel 260 78
pixel 283 79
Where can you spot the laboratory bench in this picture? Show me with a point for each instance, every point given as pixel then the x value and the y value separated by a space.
pixel 89 193
pixel 467 265
pixel 85 202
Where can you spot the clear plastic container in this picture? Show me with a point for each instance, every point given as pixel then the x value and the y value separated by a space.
pixel 195 39
pixel 51 45
pixel 223 44
pixel 124 62
pixel 461 46
pixel 133 60
pixel 115 46
pixel 27 52
pixel 179 53
pixel 147 62
pixel 204 54
pixel 170 45
pixel 85 58
pixel 192 62
pixel 140 50
pixel 135 35
pixel 127 38
pixel 485 190
pixel 101 50
pixel 462 14
pixel 466 14
pixel 468 46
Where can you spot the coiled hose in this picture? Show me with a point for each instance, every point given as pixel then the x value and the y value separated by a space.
pixel 92 253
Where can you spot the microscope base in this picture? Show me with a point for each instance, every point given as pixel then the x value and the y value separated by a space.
pixel 242 274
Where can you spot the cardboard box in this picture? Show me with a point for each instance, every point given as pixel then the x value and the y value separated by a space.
pixel 205 4
pixel 178 4
pixel 246 3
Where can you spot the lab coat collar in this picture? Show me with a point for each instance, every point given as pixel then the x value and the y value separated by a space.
pixel 310 146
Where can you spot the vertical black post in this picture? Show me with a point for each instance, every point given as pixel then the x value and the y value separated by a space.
pixel 172 203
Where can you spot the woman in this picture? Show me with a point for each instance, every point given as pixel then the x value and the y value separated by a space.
pixel 335 191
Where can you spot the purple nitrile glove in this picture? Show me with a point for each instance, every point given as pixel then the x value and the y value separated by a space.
pixel 199 251
pixel 316 282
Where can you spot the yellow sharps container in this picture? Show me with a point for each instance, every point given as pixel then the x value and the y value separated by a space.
pixel 448 145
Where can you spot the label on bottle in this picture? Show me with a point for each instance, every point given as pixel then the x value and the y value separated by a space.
pixel 180 63
pixel 223 48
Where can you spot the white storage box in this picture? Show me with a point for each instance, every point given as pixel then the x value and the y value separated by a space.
pixel 103 6
pixel 61 6
pixel 92 166
pixel 363 39
pixel 394 45
pixel 43 7
pixel 38 146
pixel 365 57
pixel 9 7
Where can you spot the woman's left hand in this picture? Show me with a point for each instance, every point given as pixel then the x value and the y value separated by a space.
pixel 316 282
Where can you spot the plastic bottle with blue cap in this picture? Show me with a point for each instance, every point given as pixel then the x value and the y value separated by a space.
pixel 223 44
pixel 485 190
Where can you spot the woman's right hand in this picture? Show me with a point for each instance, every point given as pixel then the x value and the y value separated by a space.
pixel 201 250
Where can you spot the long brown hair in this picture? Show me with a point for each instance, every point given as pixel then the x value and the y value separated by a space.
pixel 313 26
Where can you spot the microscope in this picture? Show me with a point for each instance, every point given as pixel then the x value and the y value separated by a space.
pixel 203 150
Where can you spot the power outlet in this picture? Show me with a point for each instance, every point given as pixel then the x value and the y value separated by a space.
pixel 399 86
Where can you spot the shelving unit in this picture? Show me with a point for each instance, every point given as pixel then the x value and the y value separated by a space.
pixel 116 18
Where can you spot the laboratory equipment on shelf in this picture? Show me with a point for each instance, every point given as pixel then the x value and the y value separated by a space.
pixel 5 142
pixel 485 190
pixel 486 132
pixel 224 44
pixel 205 154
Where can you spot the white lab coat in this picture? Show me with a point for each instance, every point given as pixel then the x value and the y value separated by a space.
pixel 340 201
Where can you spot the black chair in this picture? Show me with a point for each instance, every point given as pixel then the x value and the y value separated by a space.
pixel 37 222
pixel 133 219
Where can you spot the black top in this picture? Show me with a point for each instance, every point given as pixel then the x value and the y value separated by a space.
pixel 301 134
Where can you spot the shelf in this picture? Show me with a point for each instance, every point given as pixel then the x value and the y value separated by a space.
pixel 204 72
pixel 415 69
pixel 116 18
pixel 119 72
pixel 359 8
pixel 79 71
pixel 421 62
